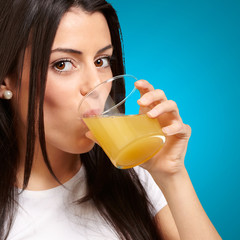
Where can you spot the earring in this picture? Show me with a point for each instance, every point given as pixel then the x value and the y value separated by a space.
pixel 7 94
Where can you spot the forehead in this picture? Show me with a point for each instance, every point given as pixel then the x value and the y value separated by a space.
pixel 82 30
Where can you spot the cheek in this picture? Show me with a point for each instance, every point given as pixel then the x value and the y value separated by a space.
pixel 60 102
pixel 63 129
pixel 61 92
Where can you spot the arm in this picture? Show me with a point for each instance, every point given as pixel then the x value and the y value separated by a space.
pixel 186 210
pixel 166 224
pixel 184 214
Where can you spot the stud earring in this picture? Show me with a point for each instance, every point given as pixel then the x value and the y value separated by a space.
pixel 7 94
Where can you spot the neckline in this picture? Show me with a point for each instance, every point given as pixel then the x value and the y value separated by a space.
pixel 52 191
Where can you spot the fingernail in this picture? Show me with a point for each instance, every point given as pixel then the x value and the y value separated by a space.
pixel 142 101
pixel 153 113
pixel 166 130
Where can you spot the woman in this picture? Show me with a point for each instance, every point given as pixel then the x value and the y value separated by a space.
pixel 52 54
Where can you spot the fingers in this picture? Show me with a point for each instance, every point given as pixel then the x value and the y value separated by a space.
pixel 175 128
pixel 143 86
pixel 167 106
pixel 154 96
pixel 160 107
pixel 155 100
pixel 178 129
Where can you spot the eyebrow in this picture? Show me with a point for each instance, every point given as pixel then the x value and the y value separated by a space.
pixel 69 50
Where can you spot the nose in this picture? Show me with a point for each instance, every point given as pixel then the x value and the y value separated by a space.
pixel 90 79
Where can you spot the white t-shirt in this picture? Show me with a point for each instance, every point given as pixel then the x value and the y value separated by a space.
pixel 51 214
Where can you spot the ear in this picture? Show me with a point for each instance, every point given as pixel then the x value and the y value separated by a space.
pixel 5 89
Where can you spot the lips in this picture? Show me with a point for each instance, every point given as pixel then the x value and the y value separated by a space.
pixel 91 113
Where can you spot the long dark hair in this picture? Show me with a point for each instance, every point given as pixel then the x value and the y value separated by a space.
pixel 117 194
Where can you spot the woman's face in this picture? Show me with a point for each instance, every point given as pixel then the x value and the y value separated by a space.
pixel 80 60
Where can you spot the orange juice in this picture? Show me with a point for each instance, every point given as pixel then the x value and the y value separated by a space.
pixel 127 140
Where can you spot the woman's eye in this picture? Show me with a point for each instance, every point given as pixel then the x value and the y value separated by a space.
pixel 102 62
pixel 63 66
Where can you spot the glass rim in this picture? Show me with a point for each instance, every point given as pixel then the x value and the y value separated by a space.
pixel 107 81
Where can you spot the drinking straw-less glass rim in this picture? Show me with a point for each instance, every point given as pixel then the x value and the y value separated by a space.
pixel 107 81
pixel 128 136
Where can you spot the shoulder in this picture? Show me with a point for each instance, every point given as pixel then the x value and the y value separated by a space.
pixel 145 178
pixel 143 174
pixel 154 193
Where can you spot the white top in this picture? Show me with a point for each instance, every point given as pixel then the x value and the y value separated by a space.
pixel 51 214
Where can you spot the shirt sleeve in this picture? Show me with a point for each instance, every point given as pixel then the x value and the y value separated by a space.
pixel 154 193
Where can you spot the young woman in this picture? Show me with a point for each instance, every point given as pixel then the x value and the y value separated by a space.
pixel 55 183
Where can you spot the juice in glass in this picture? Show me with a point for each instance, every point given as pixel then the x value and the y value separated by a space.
pixel 128 140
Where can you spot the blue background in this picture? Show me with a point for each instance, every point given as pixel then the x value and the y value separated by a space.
pixel 191 50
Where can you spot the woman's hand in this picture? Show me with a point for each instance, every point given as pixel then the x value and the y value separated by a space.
pixel 170 159
pixel 168 170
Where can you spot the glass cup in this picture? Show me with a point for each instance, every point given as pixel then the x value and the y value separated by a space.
pixel 127 137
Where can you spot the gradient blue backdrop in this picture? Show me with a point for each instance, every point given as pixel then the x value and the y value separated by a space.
pixel 191 50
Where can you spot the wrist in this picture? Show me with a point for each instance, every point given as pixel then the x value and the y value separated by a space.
pixel 171 180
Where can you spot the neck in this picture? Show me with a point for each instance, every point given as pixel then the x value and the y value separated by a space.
pixel 64 166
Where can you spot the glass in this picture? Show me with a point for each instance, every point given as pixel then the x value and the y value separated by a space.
pixel 129 138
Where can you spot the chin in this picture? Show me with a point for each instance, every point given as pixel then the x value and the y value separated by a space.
pixel 83 147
